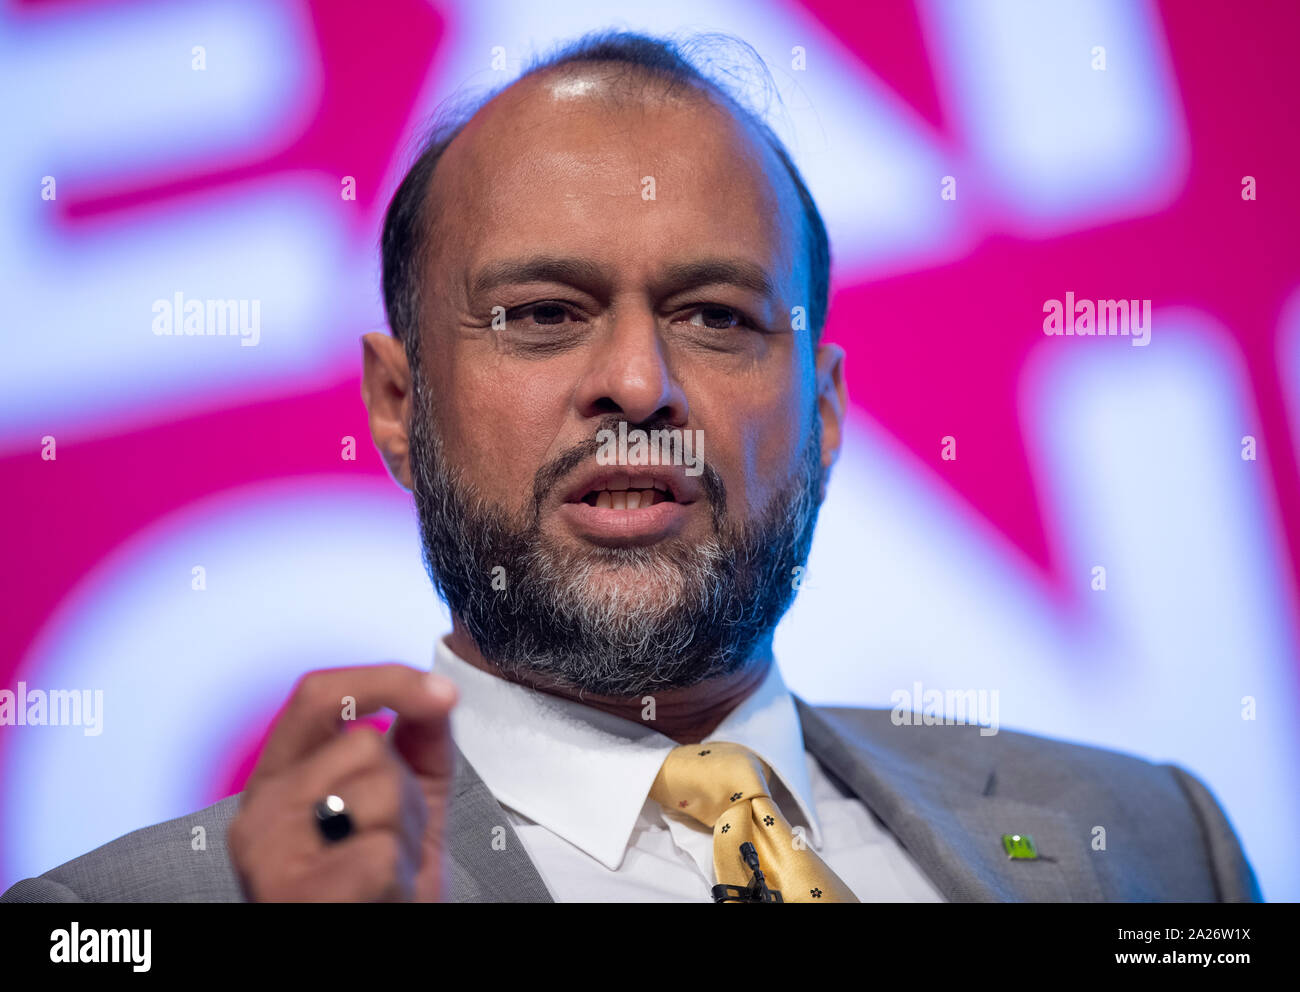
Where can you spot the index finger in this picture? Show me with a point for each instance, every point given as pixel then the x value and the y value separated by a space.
pixel 314 711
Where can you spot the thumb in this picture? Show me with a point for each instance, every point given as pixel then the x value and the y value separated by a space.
pixel 423 738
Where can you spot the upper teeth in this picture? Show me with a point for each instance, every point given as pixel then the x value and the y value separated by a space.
pixel 630 499
pixel 628 492
pixel 620 483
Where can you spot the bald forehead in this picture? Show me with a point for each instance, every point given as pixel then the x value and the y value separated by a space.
pixel 613 89
pixel 554 130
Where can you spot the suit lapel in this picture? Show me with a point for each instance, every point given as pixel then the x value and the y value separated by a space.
pixel 485 857
pixel 949 817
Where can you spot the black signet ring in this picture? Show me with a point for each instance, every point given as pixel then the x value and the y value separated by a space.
pixel 333 820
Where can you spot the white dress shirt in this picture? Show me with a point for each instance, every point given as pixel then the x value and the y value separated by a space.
pixel 575 783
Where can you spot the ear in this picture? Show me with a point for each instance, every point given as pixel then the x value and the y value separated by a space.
pixel 832 401
pixel 386 390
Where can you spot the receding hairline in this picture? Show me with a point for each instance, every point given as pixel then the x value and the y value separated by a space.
pixel 641 71
pixel 634 87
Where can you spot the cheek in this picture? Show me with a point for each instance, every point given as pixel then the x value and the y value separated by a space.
pixel 756 441
pixel 772 449
pixel 500 423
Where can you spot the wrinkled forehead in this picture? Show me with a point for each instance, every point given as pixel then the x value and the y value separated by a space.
pixel 580 146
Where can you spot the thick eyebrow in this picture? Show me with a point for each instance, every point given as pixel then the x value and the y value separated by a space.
pixel 719 271
pixel 580 272
pixel 541 268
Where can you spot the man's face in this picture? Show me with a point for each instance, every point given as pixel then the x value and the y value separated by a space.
pixel 641 259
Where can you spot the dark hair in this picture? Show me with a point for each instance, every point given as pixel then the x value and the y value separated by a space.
pixel 405 236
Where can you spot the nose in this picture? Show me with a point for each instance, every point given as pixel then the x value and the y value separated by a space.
pixel 630 374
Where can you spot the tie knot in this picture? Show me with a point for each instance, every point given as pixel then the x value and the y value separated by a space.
pixel 705 780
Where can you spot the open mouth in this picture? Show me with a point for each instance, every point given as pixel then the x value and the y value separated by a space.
pixel 635 494
pixel 619 507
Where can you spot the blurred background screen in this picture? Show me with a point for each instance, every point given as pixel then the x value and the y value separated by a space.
pixel 190 523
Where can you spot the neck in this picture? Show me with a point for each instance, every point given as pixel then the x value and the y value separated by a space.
pixel 688 715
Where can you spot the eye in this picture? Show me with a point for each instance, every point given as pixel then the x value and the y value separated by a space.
pixel 717 317
pixel 546 312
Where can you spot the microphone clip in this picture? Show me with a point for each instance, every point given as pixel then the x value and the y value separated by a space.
pixel 756 890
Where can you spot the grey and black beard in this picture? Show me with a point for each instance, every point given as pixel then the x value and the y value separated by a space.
pixel 677 615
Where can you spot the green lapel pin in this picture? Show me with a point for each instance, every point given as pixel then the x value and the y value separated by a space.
pixel 1019 847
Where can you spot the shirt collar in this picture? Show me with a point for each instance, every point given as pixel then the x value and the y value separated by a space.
pixel 585 774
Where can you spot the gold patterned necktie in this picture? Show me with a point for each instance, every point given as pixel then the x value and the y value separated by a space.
pixel 725 787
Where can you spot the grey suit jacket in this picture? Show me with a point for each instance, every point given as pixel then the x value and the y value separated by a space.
pixel 947 793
